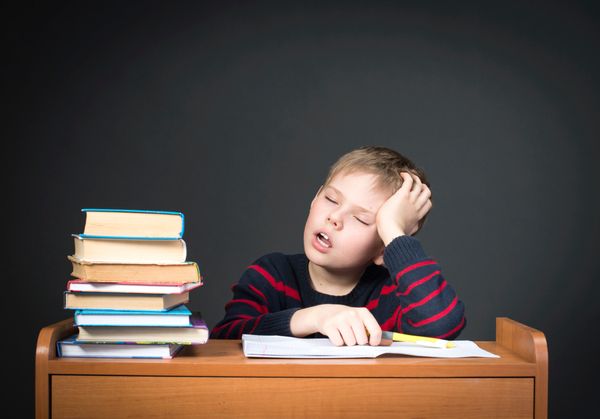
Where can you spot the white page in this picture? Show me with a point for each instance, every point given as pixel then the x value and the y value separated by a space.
pixel 263 346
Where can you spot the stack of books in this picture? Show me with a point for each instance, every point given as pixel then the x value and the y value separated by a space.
pixel 132 283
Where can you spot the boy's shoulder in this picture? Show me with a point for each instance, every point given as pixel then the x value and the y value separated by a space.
pixel 277 258
pixel 278 262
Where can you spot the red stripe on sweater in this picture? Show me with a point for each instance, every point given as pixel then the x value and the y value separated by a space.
pixel 231 326
pixel 261 308
pixel 240 317
pixel 372 304
pixel 414 266
pixel 278 285
pixel 257 291
pixel 390 322
pixel 453 331
pixel 386 289
pixel 417 283
pixel 435 317
pixel 239 336
pixel 256 322
pixel 219 328
pixel 425 299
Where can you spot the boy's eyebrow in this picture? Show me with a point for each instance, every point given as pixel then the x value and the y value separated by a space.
pixel 356 206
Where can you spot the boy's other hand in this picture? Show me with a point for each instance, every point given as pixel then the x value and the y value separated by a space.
pixel 343 325
pixel 401 213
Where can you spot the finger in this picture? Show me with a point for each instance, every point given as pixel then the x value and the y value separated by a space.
pixel 417 187
pixel 373 328
pixel 417 180
pixel 407 181
pixel 360 333
pixel 423 197
pixel 334 336
pixel 424 209
pixel 348 335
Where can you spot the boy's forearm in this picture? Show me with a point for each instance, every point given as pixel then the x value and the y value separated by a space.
pixel 390 233
pixel 303 322
pixel 232 326
pixel 429 304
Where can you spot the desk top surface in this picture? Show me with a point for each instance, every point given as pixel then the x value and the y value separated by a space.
pixel 221 358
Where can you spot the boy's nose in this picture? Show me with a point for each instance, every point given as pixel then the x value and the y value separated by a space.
pixel 335 221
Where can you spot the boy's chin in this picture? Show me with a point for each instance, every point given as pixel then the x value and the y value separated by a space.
pixel 330 262
pixel 318 258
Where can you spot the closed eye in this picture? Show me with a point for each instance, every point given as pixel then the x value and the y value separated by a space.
pixel 361 221
pixel 330 200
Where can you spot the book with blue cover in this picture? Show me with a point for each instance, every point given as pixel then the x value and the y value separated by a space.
pixel 195 334
pixel 72 348
pixel 177 316
pixel 133 224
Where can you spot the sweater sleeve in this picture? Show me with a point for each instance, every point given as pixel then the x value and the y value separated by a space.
pixel 416 299
pixel 261 304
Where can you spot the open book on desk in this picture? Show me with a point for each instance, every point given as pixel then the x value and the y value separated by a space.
pixel 262 346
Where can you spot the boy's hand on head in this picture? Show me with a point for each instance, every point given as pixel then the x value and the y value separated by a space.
pixel 343 325
pixel 401 213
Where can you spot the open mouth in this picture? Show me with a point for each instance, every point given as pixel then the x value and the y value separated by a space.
pixel 323 239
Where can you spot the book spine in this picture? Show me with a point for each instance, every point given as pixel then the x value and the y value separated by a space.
pixel 94 236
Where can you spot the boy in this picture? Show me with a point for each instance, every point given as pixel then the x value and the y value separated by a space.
pixel 361 272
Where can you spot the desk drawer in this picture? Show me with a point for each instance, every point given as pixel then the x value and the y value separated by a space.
pixel 75 396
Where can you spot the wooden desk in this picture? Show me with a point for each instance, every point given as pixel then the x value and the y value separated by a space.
pixel 216 379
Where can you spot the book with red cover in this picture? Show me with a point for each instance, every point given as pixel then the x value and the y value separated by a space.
pixel 77 285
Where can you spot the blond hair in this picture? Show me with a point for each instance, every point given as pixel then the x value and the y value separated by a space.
pixel 385 163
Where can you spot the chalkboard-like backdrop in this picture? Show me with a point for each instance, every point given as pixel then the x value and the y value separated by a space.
pixel 231 112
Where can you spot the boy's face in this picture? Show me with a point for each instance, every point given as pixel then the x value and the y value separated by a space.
pixel 341 230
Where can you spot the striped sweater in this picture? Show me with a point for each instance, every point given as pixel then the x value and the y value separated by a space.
pixel 408 295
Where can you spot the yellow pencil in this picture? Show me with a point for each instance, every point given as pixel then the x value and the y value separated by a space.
pixel 388 337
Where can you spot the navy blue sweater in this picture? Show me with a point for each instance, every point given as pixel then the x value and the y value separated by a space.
pixel 408 295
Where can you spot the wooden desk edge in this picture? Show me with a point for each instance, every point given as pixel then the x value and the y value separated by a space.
pixel 46 350
pixel 526 342
pixel 531 345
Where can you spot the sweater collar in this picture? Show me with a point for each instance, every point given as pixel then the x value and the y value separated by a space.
pixel 312 297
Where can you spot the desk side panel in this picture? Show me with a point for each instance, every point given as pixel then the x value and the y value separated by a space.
pixel 45 352
pixel 531 345
pixel 115 397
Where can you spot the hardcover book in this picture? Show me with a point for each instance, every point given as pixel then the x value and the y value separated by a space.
pixel 78 285
pixel 195 334
pixel 129 251
pixel 71 347
pixel 174 273
pixel 123 301
pixel 177 316
pixel 133 224
pixel 272 346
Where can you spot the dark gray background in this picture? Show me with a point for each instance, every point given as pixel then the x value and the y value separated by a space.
pixel 232 113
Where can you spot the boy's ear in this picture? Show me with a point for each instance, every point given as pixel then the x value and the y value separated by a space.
pixel 378 260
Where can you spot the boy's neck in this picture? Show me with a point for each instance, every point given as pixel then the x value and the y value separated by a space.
pixel 331 282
